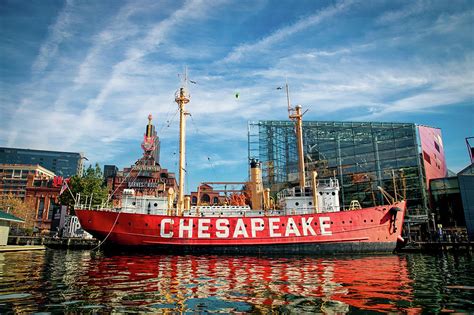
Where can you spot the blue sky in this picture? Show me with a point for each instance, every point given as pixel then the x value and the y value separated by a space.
pixel 83 75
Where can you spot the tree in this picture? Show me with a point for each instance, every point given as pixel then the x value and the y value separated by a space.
pixel 90 184
pixel 22 209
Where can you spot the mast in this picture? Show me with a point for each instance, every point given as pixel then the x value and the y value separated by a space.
pixel 296 116
pixel 182 98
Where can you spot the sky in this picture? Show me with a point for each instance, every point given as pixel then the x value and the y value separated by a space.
pixel 83 75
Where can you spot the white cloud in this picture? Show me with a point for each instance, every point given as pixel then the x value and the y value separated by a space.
pixel 57 33
pixel 284 33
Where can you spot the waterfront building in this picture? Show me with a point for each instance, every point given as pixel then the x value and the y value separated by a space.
pixel 110 171
pixel 466 187
pixel 207 196
pixel 5 219
pixel 146 176
pixel 362 155
pixel 14 178
pixel 36 186
pixel 43 194
pixel 63 164
pixel 452 202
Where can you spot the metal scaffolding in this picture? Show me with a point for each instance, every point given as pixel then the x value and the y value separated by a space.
pixel 361 155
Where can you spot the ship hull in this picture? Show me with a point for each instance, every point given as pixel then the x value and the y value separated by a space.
pixel 375 229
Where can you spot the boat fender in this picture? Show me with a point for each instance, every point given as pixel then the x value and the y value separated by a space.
pixel 393 211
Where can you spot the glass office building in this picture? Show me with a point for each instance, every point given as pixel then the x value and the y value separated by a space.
pixel 63 164
pixel 361 155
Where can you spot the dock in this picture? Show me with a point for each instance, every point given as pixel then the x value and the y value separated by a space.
pixel 436 247
pixel 53 242
pixel 17 248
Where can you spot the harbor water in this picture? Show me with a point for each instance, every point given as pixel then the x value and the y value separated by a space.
pixel 60 281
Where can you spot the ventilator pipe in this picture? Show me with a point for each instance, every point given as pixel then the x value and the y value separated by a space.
pixel 315 191
pixel 170 200
pixel 266 198
pixel 187 203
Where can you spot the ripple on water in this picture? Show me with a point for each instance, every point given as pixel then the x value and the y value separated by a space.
pixel 14 296
pixel 78 281
pixel 214 304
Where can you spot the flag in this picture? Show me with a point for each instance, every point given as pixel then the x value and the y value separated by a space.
pixel 63 187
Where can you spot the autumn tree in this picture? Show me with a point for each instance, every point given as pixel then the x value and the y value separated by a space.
pixel 90 184
pixel 16 206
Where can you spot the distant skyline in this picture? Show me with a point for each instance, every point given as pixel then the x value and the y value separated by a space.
pixel 82 76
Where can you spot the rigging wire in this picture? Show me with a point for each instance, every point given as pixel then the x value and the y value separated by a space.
pixel 198 131
pixel 110 196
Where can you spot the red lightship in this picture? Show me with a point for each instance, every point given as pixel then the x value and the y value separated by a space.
pixel 304 219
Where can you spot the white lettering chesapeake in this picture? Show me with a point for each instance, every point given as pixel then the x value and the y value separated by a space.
pixel 222 228
pixel 307 226
pixel 323 226
pixel 272 223
pixel 240 229
pixel 257 225
pixel 203 229
pixel 164 222
pixel 185 228
pixel 291 228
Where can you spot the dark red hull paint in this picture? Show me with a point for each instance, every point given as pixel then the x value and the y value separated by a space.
pixel 369 229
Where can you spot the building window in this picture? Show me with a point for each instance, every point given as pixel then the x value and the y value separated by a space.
pixel 215 201
pixel 426 156
pixel 52 208
pixel 205 198
pixel 194 200
pixel 40 208
pixel 436 146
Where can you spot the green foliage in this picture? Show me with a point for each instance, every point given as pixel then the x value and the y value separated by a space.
pixel 90 184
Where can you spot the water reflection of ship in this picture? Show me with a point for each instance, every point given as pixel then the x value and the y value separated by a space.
pixel 263 284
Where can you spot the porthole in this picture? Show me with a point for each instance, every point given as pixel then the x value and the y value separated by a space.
pixel 134 203
pixel 350 221
pixel 130 223
pixel 365 221
pixel 156 205
pixel 283 224
pixel 343 222
pixel 310 203
pixel 333 193
pixel 159 224
pixel 146 224
pixel 371 220
pixel 321 193
pixel 332 222
pixel 297 203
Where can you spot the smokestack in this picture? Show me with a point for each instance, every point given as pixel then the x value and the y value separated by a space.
pixel 256 184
